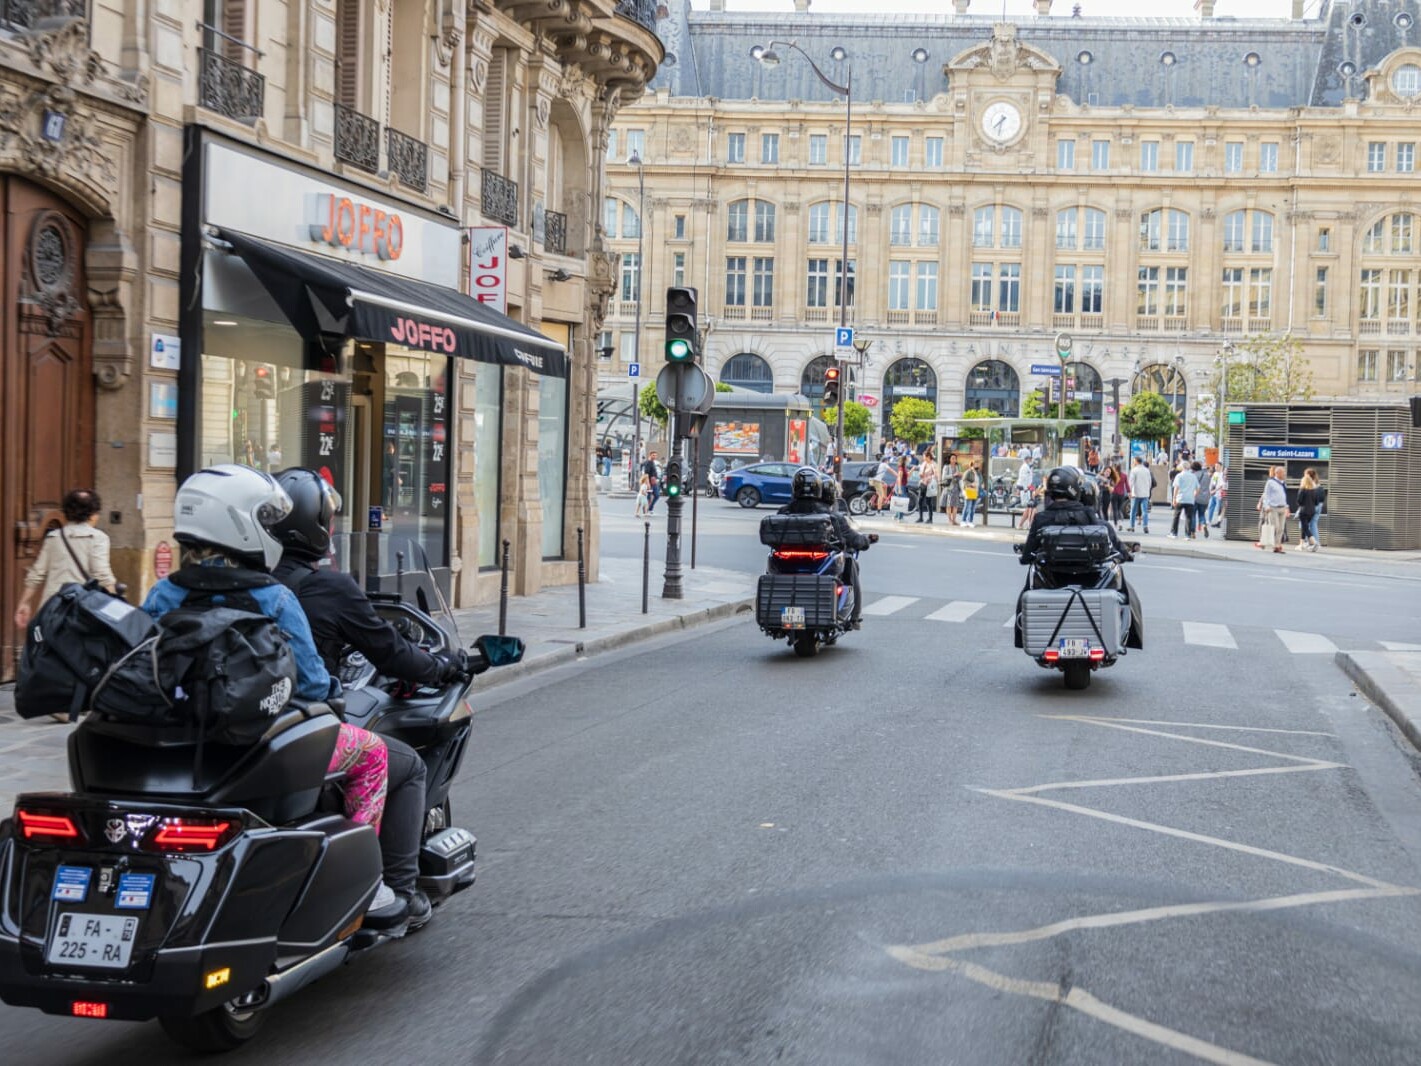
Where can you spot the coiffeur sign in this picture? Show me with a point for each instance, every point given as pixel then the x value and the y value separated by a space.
pixel 344 222
pixel 488 266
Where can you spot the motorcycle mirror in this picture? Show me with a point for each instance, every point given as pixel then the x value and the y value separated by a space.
pixel 500 651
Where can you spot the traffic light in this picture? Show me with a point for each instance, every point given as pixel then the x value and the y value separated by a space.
pixel 680 324
pixel 831 387
pixel 673 478
pixel 263 384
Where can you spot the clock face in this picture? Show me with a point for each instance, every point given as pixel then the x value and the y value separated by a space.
pixel 1001 121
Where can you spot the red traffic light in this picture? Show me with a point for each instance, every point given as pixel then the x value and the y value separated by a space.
pixel 831 374
pixel 263 372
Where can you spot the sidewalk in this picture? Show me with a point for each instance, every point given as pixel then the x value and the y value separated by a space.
pixel 33 753
pixel 1391 680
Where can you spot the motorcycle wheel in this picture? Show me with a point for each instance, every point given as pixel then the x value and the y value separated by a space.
pixel 223 1028
pixel 806 645
pixel 1077 675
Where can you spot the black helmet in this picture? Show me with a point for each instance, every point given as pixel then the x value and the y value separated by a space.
pixel 828 488
pixel 1063 483
pixel 805 485
pixel 306 531
pixel 1089 494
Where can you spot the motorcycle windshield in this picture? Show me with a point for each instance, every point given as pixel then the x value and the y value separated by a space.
pixel 386 562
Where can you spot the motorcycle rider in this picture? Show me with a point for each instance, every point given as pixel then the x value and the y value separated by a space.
pixel 814 493
pixel 341 616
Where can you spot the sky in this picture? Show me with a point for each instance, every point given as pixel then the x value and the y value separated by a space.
pixel 1110 8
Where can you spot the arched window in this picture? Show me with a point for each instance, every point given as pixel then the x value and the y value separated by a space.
pixel 900 230
pixel 1011 227
pixel 983 226
pixel 819 222
pixel 905 378
pixel 1083 385
pixel 748 371
pixel 993 386
pixel 1164 231
pixel 1245 234
pixel 619 219
pixel 811 382
pixel 928 226
pixel 737 221
pixel 1167 379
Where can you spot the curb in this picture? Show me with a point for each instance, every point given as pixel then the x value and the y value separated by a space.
pixel 1380 682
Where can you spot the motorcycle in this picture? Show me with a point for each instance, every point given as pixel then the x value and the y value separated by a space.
pixel 802 597
pixel 715 477
pixel 201 884
pixel 1076 612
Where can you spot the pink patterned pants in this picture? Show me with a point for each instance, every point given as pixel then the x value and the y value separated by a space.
pixel 365 761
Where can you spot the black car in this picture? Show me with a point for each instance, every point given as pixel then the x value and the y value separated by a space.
pixel 858 493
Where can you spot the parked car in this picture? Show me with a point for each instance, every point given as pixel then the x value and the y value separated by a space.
pixel 759 483
pixel 858 493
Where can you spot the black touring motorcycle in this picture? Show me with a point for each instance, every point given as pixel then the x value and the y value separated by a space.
pixel 200 884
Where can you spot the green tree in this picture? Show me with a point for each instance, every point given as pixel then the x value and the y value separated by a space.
pixel 971 432
pixel 1033 407
pixel 907 420
pixel 1148 416
pixel 1263 368
pixel 651 406
pixel 857 421
pixel 721 386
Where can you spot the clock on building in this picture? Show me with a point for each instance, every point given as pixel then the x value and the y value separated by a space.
pixel 1001 121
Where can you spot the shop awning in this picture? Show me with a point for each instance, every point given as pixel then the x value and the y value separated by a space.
pixel 323 296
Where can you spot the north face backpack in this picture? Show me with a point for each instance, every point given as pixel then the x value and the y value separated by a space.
pixel 79 633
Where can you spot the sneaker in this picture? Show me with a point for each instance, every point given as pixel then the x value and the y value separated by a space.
pixel 387 910
pixel 1172 536
pixel 420 910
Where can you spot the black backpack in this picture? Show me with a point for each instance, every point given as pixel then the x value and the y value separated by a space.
pixel 77 635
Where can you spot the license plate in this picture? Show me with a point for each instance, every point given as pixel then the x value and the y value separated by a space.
pixel 1075 648
pixel 100 940
pixel 792 617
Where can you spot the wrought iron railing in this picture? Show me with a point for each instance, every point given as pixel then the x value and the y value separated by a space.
pixel 409 158
pixel 357 139
pixel 32 14
pixel 555 232
pixel 229 88
pixel 500 198
pixel 642 11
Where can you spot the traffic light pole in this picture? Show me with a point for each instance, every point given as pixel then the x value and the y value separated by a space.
pixel 671 588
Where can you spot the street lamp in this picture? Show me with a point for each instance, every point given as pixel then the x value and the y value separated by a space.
pixel 768 57
pixel 634 160
pixel 1225 354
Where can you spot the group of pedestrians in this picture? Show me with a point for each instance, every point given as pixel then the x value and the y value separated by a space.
pixel 1274 512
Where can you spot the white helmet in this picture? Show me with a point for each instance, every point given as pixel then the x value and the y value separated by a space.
pixel 232 508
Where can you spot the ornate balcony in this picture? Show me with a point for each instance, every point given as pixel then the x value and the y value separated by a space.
pixel 642 12
pixel 229 88
pixel 555 232
pixel 357 139
pixel 40 14
pixel 409 159
pixel 500 198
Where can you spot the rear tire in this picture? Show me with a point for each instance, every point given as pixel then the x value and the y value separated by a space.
pixel 858 505
pixel 1077 675
pixel 748 498
pixel 219 1029
pixel 806 645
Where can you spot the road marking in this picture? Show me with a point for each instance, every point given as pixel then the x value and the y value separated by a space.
pixel 1010 621
pixel 889 604
pixel 1181 569
pixel 1115 723
pixel 978 551
pixel 1305 643
pixel 956 611
pixel 1393 645
pixel 1209 634
pixel 1191 725
pixel 1202 775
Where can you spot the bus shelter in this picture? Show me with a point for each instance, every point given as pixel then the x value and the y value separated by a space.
pixel 998 446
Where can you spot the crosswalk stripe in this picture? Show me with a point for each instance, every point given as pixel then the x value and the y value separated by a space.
pixel 956 611
pixel 1209 634
pixel 1010 621
pixel 1305 643
pixel 1396 645
pixel 889 604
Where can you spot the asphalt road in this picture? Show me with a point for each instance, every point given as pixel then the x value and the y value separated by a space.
pixel 916 848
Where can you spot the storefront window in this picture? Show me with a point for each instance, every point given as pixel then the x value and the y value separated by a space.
pixel 414 471
pixel 552 461
pixel 488 427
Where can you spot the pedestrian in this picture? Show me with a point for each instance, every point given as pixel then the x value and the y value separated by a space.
pixel 653 480
pixel 1308 504
pixel 1142 483
pixel 1183 491
pixel 971 489
pixel 1205 477
pixel 273 456
pixel 1219 495
pixel 1028 502
pixel 883 481
pixel 643 496
pixel 1092 458
pixel 927 488
pixel 1272 508
pixel 73 552
pixel 950 480
pixel 1120 494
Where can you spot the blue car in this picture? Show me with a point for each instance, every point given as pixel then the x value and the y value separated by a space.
pixel 751 486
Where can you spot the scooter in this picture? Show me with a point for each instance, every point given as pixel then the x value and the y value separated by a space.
pixel 715 477
pixel 803 596
pixel 200 884
pixel 1076 612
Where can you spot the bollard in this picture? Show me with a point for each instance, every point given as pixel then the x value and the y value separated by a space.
pixel 581 583
pixel 645 566
pixel 503 595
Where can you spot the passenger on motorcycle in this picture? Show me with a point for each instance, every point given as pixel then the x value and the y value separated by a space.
pixel 224 517
pixel 341 616
pixel 816 493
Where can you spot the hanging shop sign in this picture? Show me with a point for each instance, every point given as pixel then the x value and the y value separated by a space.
pixel 488 266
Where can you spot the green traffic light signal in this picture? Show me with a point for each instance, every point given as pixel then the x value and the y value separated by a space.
pixel 679 350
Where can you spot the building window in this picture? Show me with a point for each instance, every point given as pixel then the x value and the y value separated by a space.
pixel 1092 289
pixel 927 226
pixel 763 294
pixel 1324 240
pixel 1094 231
pixel 818 149
pixel 611 208
pixel 1065 154
pixel 1233 157
pixel 1262 232
pixel 1233 293
pixel 900 229
pixel 1148 303
pixel 983 226
pixel 1235 223
pixel 769 148
pixel 735 148
pixel 1370 303
pixel 932 150
pixel 1260 292
pixel 552 460
pixel 839 283
pixel 604 344
pixel 678 227
pixel 855 150
pixel 1064 302
pixel 1407 80
pixel 981 286
pixel 898 285
pixel 1100 155
pixel 1009 287
pixel 1373 238
pixel 1405 157
pixel 1395 365
pixel 1149 156
pixel 735 281
pixel 1376 157
pixel 1367 366
pixel 1268 157
pixel 927 287
pixel 764 222
pixel 631 222
pixel 628 346
pixel 898 152
pixel 1176 281
pixel 488 431
pixel 819 223
pixel 636 144
pixel 819 216
pixel 1066 229
pixel 1398 295
pixel 1011 227
pixel 1184 156
pixel 612 156
pixel 678 268
pixel 737 227
pixel 1319 294
pixel 818 283
pixel 1176 231
pixel 1401 234
pixel 631 277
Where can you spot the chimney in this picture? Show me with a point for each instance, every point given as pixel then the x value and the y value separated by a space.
pixel 1297 10
pixel 1206 8
pixel 960 6
pixel 801 6
pixel 1043 8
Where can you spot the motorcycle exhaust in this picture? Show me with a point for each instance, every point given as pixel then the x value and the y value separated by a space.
pixel 281 985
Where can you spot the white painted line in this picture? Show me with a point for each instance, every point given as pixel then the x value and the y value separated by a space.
pixel 1180 569
pixel 889 604
pixel 1190 725
pixel 1203 775
pixel 1393 645
pixel 1209 634
pixel 1010 621
pixel 1108 724
pixel 1306 643
pixel 956 611
pixel 977 551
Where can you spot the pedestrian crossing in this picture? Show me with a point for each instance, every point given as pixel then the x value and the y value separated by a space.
pixel 1158 632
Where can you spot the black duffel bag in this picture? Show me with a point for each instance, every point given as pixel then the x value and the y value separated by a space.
pixel 79 633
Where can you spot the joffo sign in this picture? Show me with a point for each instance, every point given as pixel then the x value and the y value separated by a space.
pixel 343 222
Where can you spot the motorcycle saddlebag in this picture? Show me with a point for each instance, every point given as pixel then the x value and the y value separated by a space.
pixel 817 594
pixel 1041 609
pixel 796 530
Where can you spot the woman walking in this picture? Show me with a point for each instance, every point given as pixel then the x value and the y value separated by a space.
pixel 927 488
pixel 1308 502
pixel 1120 495
pixel 971 489
pixel 1272 510
pixel 75 552
pixel 950 480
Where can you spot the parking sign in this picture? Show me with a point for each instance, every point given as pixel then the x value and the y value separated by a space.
pixel 633 370
pixel 844 342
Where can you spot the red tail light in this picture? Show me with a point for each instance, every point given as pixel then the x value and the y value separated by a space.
pixel 185 834
pixel 84 1009
pixel 799 553
pixel 1050 655
pixel 1097 654
pixel 54 826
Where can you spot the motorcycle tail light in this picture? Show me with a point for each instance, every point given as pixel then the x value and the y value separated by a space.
pixel 789 554
pixel 1097 654
pixel 1051 655
pixel 50 826
pixel 189 834
pixel 81 1008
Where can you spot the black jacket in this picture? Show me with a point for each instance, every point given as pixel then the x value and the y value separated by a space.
pixel 848 536
pixel 341 614
pixel 1065 513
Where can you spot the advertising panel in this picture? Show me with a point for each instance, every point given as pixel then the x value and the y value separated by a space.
pixel 737 438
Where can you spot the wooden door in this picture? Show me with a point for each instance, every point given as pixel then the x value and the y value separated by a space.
pixel 47 418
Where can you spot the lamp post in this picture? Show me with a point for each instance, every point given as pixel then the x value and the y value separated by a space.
pixel 767 56
pixel 1225 354
pixel 634 160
